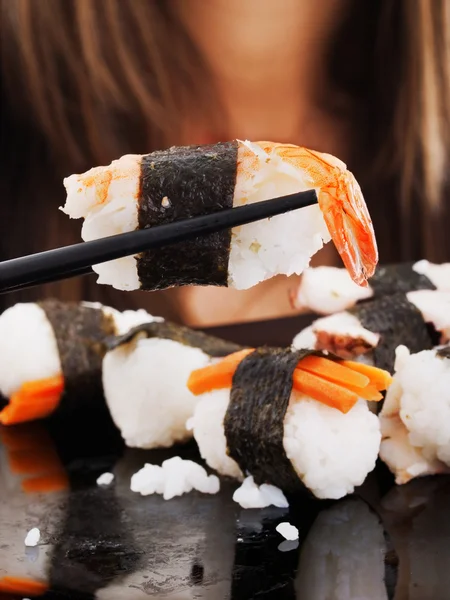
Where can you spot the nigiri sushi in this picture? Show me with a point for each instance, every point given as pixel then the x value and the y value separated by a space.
pixel 415 418
pixel 326 290
pixel 53 350
pixel 372 330
pixel 136 192
pixel 295 420
pixel 145 373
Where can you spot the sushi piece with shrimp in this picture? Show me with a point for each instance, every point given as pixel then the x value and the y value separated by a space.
pixel 326 290
pixel 136 192
pixel 415 418
pixel 52 355
pixel 371 331
pixel 294 419
pixel 145 373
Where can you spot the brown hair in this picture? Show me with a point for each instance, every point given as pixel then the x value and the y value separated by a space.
pixel 85 81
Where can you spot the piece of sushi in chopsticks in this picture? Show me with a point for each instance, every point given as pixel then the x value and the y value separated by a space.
pixel 145 373
pixel 326 290
pixel 415 418
pixel 372 330
pixel 136 192
pixel 52 355
pixel 293 419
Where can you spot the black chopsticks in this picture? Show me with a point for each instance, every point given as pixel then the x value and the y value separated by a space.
pixel 76 260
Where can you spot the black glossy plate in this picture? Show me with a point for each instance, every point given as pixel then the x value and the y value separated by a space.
pixel 109 543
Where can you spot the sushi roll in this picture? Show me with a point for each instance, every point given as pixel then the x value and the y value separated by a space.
pixel 136 192
pixel 294 419
pixel 371 331
pixel 54 355
pixel 327 290
pixel 145 373
pixel 343 556
pixel 415 418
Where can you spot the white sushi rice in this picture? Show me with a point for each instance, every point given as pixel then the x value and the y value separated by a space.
pixel 144 383
pixel 331 452
pixel 126 320
pixel 174 477
pixel 251 495
pixel 283 244
pixel 439 275
pixel 105 479
pixel 328 290
pixel 288 531
pixel 28 341
pixel 435 309
pixel 32 537
pixel 27 346
pixel 107 198
pixel 415 418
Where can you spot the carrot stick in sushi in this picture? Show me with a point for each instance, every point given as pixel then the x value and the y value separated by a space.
pixel 136 192
pixel 293 427
pixel 325 380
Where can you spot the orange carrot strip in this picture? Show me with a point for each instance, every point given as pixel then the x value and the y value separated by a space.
pixel 52 482
pixel 370 392
pixel 217 376
pixel 324 391
pixel 39 387
pixel 380 378
pixel 34 400
pixel 333 371
pixel 22 410
pixel 22 586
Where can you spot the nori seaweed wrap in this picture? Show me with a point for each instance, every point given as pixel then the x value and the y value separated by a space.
pixel 180 183
pixel 398 278
pixel 397 321
pixel 165 330
pixel 254 421
pixel 81 332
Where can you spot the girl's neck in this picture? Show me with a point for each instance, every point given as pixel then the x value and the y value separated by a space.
pixel 267 59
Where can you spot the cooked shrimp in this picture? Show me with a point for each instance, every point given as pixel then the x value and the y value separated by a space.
pixel 340 199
